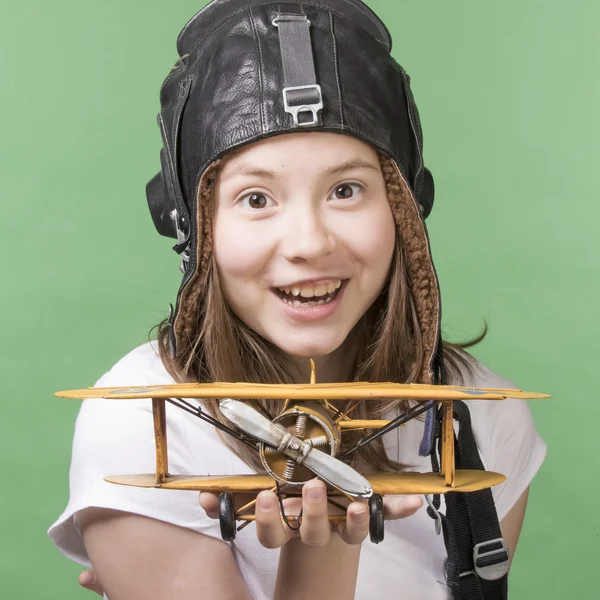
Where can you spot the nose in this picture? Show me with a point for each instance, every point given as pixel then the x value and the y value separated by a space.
pixel 307 236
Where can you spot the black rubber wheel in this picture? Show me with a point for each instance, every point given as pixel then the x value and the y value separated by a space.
pixel 376 518
pixel 227 517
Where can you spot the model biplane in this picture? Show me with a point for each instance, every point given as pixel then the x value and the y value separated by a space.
pixel 304 440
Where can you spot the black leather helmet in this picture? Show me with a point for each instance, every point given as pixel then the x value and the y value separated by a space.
pixel 251 69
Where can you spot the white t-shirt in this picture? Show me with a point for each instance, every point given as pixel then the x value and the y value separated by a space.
pixel 116 437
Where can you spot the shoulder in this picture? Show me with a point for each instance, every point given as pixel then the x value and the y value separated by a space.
pixel 117 437
pixel 495 417
pixel 108 429
pixel 122 431
pixel 495 422
pixel 479 375
pixel 506 436
pixel 140 366
pixel 99 417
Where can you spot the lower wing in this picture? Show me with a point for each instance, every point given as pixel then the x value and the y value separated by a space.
pixel 382 483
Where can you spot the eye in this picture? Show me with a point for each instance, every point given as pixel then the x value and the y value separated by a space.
pixel 344 191
pixel 255 201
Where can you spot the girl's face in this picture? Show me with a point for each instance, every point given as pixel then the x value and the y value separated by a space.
pixel 303 238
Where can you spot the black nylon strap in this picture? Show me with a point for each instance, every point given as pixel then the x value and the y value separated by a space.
pixel 298 67
pixel 470 519
pixel 478 511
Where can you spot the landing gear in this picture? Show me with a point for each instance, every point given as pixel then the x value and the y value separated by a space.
pixel 227 516
pixel 376 518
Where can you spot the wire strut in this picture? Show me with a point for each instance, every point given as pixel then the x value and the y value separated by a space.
pixel 410 414
pixel 282 509
pixel 203 416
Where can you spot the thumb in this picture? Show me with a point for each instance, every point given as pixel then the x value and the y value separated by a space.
pixel 89 581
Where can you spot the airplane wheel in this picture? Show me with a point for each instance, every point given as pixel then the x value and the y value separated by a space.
pixel 227 516
pixel 376 518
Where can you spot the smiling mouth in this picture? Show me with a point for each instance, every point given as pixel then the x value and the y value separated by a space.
pixel 308 295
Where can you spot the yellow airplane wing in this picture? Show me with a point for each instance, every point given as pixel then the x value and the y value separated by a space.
pixel 207 483
pixel 433 483
pixel 382 483
pixel 299 392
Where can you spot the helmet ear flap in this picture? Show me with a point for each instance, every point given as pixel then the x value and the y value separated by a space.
pixel 161 199
pixel 424 185
pixel 163 191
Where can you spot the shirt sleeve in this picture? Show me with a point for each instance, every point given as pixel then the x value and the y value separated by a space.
pixel 508 441
pixel 115 437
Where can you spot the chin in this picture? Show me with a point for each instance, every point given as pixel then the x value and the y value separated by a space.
pixel 313 348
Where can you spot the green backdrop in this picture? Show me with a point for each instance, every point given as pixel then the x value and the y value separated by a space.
pixel 509 96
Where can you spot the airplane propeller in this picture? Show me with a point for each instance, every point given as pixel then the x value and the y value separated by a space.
pixel 328 468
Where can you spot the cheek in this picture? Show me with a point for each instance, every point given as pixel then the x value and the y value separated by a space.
pixel 372 238
pixel 240 252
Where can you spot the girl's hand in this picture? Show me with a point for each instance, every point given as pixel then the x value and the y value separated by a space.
pixel 315 529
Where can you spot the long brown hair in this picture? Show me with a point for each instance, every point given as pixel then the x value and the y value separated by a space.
pixel 218 346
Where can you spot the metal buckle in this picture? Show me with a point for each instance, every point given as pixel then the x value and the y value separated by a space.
pixel 185 255
pixel 312 108
pixel 436 515
pixel 282 17
pixel 490 559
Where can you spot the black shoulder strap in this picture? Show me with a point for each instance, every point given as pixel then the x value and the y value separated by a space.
pixel 479 564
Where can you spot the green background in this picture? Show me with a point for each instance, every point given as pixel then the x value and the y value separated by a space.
pixel 508 93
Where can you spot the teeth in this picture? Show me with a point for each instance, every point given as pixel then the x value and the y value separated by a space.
pixel 308 291
pixel 297 303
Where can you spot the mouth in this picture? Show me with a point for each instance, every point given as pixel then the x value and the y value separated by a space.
pixel 307 294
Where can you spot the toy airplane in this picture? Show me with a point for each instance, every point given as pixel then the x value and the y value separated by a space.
pixel 304 439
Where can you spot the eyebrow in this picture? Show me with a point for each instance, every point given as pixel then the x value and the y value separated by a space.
pixel 349 165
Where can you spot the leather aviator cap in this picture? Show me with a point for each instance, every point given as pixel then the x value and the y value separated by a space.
pixel 251 69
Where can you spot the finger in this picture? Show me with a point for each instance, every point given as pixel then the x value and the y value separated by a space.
pixel 89 581
pixel 400 507
pixel 270 529
pixel 315 529
pixel 356 527
pixel 210 503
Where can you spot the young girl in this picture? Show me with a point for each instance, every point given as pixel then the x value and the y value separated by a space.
pixel 293 180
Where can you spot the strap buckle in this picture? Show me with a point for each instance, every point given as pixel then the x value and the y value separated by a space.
pixel 295 103
pixel 434 514
pixel 185 251
pixel 490 559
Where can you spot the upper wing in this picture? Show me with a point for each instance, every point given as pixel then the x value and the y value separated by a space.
pixel 298 392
